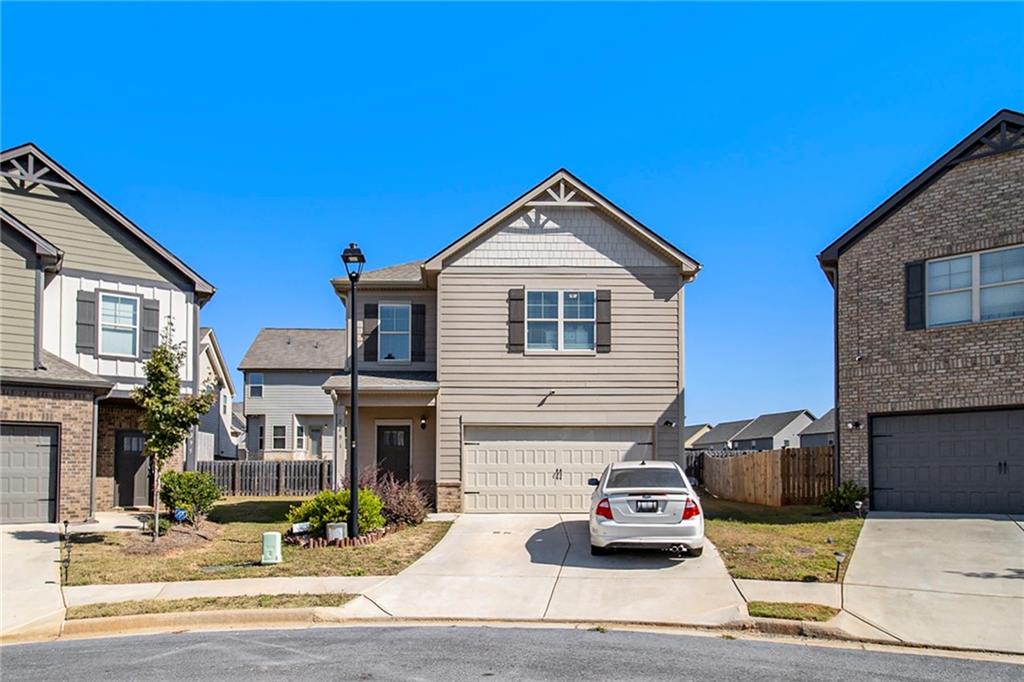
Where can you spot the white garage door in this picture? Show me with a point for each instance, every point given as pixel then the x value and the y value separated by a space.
pixel 542 469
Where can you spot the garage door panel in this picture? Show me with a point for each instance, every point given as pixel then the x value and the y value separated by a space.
pixel 969 462
pixel 28 473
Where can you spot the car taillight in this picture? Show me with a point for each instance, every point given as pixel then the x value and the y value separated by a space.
pixel 604 509
pixel 691 509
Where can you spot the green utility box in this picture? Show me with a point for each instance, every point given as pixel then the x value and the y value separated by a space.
pixel 271 548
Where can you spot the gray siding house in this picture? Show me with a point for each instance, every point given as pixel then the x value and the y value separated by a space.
pixel 287 414
pixel 773 431
pixel 514 364
pixel 822 431
pixel 720 437
pixel 692 432
pixel 215 438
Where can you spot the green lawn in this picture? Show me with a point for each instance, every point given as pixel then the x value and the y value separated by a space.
pixel 780 543
pixel 261 601
pixel 773 609
pixel 110 558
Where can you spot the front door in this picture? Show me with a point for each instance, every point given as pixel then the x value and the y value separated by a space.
pixel 132 480
pixel 316 443
pixel 393 450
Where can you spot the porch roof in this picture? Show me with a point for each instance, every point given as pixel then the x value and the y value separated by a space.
pixel 55 372
pixel 398 382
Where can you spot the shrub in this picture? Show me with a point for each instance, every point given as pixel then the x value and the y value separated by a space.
pixel 165 525
pixel 403 500
pixel 841 499
pixel 333 507
pixel 193 491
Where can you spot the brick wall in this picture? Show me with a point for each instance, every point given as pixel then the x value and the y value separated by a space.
pixel 72 410
pixel 449 497
pixel 884 368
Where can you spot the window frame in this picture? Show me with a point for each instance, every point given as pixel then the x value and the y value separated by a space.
pixel 283 437
pixel 300 437
pixel 260 433
pixel 975 288
pixel 224 404
pixel 100 324
pixel 560 322
pixel 250 384
pixel 381 333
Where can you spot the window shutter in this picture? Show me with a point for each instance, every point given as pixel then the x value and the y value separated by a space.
pixel 85 323
pixel 516 320
pixel 419 332
pixel 915 295
pixel 604 321
pixel 150 326
pixel 370 332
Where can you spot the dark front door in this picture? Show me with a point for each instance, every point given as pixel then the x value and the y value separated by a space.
pixel 393 451
pixel 316 443
pixel 132 480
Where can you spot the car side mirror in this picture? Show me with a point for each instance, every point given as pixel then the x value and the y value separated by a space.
pixel 593 481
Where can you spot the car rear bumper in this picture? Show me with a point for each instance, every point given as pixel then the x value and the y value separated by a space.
pixel 646 536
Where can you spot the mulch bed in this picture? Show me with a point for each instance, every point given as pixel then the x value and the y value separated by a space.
pixel 177 538
pixel 309 542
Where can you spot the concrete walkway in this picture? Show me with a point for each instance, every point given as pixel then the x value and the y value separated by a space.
pixel 98 594
pixel 538 566
pixel 30 596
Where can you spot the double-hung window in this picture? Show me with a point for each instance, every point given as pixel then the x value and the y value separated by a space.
pixel 394 332
pixel 119 325
pixel 560 321
pixel 300 437
pixel 256 385
pixel 280 441
pixel 976 287
pixel 259 440
pixel 223 404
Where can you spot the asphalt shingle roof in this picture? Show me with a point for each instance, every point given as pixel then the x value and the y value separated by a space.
pixel 403 272
pixel 722 433
pixel 284 348
pixel 54 372
pixel 688 431
pixel 826 423
pixel 767 425
pixel 384 381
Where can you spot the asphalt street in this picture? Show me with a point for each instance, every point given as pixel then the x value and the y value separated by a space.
pixel 469 653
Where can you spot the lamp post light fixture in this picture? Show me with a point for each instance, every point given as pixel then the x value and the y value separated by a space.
pixel 840 557
pixel 354 260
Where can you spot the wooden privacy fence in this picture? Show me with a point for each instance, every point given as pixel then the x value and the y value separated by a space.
pixel 269 478
pixel 772 477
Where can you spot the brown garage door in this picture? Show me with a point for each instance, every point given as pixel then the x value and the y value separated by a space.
pixel 28 473
pixel 960 462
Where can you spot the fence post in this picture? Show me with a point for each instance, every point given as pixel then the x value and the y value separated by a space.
pixel 236 477
pixel 280 478
pixel 323 475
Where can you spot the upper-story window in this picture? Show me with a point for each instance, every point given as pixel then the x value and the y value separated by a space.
pixel 560 321
pixel 223 404
pixel 119 325
pixel 976 287
pixel 256 385
pixel 395 331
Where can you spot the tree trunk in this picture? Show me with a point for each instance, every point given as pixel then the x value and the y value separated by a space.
pixel 156 502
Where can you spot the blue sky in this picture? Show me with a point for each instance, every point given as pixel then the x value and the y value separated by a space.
pixel 256 140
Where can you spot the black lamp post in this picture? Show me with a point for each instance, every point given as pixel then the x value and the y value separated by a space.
pixel 353 259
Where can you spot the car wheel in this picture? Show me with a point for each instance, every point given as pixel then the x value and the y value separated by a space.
pixel 696 552
pixel 599 551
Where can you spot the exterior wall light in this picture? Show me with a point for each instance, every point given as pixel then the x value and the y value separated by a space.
pixel 423 422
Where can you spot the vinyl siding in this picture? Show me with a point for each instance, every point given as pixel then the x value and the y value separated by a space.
pixel 18 307
pixel 91 241
pixel 637 384
pixel 287 394
pixel 426 297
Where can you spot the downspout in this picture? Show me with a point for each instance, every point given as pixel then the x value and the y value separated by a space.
pixel 191 454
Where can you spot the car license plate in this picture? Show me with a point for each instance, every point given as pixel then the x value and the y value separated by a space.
pixel 646 506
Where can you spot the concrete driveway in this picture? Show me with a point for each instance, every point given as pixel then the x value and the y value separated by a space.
pixel 538 566
pixel 941 580
pixel 30 596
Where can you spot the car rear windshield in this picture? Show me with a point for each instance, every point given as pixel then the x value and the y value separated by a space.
pixel 654 477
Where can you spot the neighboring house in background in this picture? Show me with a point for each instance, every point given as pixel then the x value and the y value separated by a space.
pixel 514 364
pixel 215 437
pixel 822 431
pixel 929 293
pixel 287 414
pixel 238 430
pixel 692 432
pixel 720 436
pixel 85 294
pixel 773 431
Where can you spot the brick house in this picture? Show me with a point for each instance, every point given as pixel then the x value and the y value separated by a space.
pixel 85 295
pixel 929 314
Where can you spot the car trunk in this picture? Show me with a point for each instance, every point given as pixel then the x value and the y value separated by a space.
pixel 647 507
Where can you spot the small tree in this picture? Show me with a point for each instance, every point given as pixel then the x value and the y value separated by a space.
pixel 168 416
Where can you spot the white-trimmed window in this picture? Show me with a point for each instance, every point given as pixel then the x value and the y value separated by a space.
pixel 561 321
pixel 256 385
pixel 223 403
pixel 280 439
pixel 395 332
pixel 300 437
pixel 976 287
pixel 119 325
pixel 259 439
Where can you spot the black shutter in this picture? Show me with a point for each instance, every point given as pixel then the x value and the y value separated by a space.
pixel 915 295
pixel 604 321
pixel 516 320
pixel 150 326
pixel 85 323
pixel 370 332
pixel 419 332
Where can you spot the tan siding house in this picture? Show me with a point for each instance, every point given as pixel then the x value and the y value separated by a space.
pixel 551 343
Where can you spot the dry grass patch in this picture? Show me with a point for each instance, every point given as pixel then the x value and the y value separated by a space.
pixel 791 611
pixel 780 543
pixel 260 601
pixel 238 525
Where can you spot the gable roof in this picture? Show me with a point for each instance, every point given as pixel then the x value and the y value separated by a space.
pixel 593 198
pixel 207 336
pixel 1002 133
pixel 690 430
pixel 50 254
pixel 287 348
pixel 203 288
pixel 722 433
pixel 767 425
pixel 826 423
